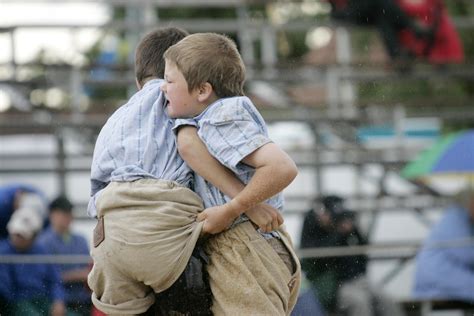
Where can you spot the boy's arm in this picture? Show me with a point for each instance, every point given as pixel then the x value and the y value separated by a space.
pixel 196 155
pixel 274 170
pixel 194 152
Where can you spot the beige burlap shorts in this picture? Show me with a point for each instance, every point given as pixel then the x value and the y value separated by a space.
pixel 250 277
pixel 150 232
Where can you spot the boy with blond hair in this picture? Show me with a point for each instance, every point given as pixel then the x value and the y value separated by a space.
pixel 251 272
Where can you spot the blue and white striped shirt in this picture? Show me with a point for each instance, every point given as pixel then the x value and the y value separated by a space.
pixel 137 141
pixel 231 128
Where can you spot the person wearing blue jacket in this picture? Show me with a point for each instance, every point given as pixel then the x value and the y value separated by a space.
pixel 445 271
pixel 60 239
pixel 28 288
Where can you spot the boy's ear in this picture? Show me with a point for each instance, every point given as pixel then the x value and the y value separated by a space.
pixel 205 92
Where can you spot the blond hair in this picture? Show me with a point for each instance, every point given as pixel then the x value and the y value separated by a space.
pixel 212 58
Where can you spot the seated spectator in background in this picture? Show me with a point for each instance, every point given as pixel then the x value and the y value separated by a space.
pixel 341 282
pixel 444 272
pixel 356 295
pixel 13 196
pixel 386 16
pixel 58 239
pixel 318 231
pixel 28 288
pixel 444 45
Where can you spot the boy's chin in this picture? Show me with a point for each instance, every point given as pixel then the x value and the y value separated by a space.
pixel 170 113
pixel 175 115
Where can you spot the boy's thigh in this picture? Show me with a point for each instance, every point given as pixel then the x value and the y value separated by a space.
pixel 247 276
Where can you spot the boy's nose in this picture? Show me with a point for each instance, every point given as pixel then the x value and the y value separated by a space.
pixel 163 87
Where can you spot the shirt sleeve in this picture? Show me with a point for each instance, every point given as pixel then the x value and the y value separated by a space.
pixel 183 122
pixel 231 134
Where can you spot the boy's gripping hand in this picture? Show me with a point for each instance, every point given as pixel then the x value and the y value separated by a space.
pixel 266 217
pixel 217 218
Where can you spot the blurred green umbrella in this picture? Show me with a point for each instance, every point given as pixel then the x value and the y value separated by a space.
pixel 453 154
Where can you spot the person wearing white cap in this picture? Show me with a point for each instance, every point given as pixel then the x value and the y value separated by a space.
pixel 17 195
pixel 28 288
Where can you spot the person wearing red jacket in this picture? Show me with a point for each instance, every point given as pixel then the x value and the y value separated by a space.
pixel 444 46
pixel 387 16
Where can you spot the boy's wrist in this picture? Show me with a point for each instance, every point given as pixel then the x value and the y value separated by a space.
pixel 235 208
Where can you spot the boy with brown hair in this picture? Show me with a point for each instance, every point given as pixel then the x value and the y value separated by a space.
pixel 141 194
pixel 251 272
pixel 136 174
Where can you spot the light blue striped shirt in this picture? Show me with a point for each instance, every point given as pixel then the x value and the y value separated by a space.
pixel 231 129
pixel 137 141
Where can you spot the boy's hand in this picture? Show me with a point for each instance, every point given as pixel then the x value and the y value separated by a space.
pixel 216 218
pixel 266 217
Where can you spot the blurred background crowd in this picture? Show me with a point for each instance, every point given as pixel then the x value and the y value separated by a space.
pixel 371 98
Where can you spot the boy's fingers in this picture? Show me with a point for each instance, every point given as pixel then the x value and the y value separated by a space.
pixel 201 216
pixel 275 225
pixel 270 228
pixel 277 221
pixel 280 219
pixel 264 228
pixel 205 228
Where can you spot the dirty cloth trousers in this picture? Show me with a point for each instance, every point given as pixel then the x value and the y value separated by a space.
pixel 150 232
pixel 249 276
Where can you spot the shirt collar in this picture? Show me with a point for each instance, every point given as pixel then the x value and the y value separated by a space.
pixel 152 81
pixel 216 103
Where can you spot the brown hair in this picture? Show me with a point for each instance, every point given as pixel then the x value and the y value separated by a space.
pixel 149 60
pixel 212 58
